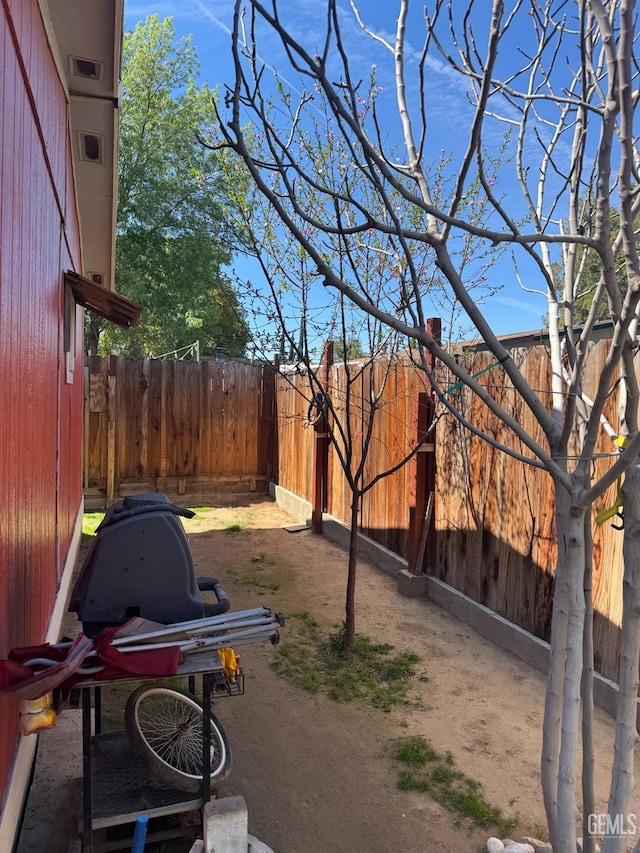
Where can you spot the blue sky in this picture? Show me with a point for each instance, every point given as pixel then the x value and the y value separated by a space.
pixel 210 21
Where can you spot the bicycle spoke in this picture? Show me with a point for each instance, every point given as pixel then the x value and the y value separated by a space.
pixel 172 729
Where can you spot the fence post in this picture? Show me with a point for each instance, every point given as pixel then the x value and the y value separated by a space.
pixel 418 499
pixel 86 396
pixel 111 428
pixel 423 479
pixel 269 414
pixel 321 447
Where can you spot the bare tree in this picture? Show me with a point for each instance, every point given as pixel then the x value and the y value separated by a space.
pixel 291 319
pixel 563 78
pixel 337 359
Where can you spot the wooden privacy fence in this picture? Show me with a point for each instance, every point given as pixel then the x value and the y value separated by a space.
pixel 493 532
pixel 198 431
pixel 385 509
pixel 194 430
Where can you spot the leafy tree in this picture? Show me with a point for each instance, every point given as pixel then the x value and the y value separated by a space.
pixel 588 265
pixel 173 240
pixel 564 77
pixel 351 349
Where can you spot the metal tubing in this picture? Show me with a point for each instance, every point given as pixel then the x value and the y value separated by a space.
pixel 197 641
pixel 190 633
pixel 243 638
pixel 265 611
pixel 263 631
pixel 206 738
pixel 258 632
pixel 87 811
pixel 213 622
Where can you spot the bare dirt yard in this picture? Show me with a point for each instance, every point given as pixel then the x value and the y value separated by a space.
pixel 318 776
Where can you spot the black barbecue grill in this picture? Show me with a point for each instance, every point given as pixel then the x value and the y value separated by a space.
pixel 139 564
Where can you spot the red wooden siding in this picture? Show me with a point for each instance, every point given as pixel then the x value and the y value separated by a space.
pixel 40 427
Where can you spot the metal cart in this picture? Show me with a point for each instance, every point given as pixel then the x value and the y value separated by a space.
pixel 116 787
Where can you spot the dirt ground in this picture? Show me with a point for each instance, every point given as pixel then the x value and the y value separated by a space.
pixel 317 776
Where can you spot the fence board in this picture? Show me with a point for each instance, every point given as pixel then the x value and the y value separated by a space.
pixel 494 525
pixel 206 402
pixel 154 394
pixel 294 440
pixel 192 429
pixel 179 427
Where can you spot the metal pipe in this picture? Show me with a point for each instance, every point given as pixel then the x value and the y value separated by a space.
pixel 140 833
pixel 206 642
pixel 219 622
pixel 243 638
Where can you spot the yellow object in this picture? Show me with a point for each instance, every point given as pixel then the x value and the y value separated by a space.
pixel 30 723
pixel 621 442
pixel 230 662
pixel 36 714
pixel 606 514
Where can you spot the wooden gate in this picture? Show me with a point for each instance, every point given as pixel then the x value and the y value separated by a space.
pixel 194 430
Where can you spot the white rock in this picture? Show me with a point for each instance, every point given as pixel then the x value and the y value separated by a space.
pixel 516 847
pixel 494 845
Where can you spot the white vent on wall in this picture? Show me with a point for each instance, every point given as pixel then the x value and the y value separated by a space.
pixel 91 147
pixel 89 69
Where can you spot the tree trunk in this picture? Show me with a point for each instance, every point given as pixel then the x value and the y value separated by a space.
pixel 92 329
pixel 588 757
pixel 350 607
pixel 562 703
pixel 622 776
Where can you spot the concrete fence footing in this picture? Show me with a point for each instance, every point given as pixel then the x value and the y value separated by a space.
pixel 489 624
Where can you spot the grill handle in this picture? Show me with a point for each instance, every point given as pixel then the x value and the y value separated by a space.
pixel 131 507
pixel 223 604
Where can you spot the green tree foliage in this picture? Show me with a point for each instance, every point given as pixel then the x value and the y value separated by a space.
pixel 172 238
pixel 588 270
pixel 353 350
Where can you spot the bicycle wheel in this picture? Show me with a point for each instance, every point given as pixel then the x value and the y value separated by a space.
pixel 165 728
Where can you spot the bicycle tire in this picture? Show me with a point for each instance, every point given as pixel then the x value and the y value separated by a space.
pixel 164 726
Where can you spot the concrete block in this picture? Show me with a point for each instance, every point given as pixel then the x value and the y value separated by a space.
pixel 225 826
pixel 198 847
pixel 338 532
pixel 256 846
pixel 411 586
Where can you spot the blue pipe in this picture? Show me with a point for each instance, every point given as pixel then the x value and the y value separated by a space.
pixel 140 834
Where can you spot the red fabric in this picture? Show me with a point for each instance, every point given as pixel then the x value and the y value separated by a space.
pixel 25 682
pixel 147 663
pixel 21 681
pixel 12 673
pixel 42 651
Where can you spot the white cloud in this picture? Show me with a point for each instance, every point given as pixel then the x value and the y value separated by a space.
pixel 527 307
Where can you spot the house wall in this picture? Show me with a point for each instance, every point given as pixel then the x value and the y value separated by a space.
pixel 40 398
